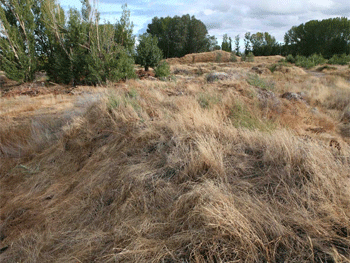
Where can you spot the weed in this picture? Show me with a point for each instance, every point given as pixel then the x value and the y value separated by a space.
pixel 339 59
pixel 312 61
pixel 290 59
pixel 132 93
pixel 162 70
pixel 255 80
pixel 325 67
pixel 233 57
pixel 130 98
pixel 273 67
pixel 250 57
pixel 243 117
pixel 218 57
pixel 206 101
pixel 113 102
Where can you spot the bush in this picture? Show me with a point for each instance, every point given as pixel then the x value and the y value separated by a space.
pixel 233 57
pixel 218 57
pixel 290 59
pixel 312 61
pixel 148 52
pixel 162 70
pixel 339 59
pixel 250 57
pixel 256 81
pixel 206 101
pixel 273 68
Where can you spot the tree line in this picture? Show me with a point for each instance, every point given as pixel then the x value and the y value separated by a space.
pixel 74 47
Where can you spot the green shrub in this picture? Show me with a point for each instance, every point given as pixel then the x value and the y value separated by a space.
pixel 162 70
pixel 218 57
pixel 250 57
pixel 256 81
pixel 148 52
pixel 339 59
pixel 243 57
pixel 206 100
pixel 273 67
pixel 312 61
pixel 290 59
pixel 233 57
pixel 325 67
pixel 241 116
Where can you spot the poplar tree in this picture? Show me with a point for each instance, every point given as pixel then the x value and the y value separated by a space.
pixel 123 31
pixel 237 47
pixel 17 38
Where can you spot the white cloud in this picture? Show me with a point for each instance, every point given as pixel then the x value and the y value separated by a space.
pixel 228 16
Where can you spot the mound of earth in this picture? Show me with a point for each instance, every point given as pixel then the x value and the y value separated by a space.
pixel 213 56
pixel 34 89
pixel 217 56
pixel 290 70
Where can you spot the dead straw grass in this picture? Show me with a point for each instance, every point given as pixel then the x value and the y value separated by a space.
pixel 145 175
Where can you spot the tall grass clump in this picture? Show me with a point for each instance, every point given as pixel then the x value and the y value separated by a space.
pixel 290 59
pixel 339 59
pixel 255 80
pixel 162 70
pixel 309 62
pixel 233 57
pixel 247 58
pixel 243 117
pixel 146 174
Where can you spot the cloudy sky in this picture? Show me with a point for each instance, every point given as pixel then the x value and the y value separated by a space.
pixel 226 16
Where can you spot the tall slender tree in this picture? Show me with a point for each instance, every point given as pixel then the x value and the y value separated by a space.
pixel 237 47
pixel 17 38
pixel 124 31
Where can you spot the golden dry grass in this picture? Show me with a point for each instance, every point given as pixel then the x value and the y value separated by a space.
pixel 184 171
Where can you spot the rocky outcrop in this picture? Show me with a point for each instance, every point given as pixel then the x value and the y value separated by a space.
pixel 211 77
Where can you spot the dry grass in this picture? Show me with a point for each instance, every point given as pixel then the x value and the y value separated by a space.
pixel 183 171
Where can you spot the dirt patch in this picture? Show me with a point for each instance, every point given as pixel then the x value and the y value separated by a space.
pixel 142 74
pixel 34 89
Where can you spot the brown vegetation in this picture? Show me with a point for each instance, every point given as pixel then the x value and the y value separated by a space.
pixel 179 171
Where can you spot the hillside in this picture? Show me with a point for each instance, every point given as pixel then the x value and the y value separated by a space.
pixel 223 162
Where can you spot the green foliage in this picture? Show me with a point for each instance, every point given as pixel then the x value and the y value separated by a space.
pixel 178 36
pixel 218 58
pixel 226 43
pixel 237 45
pixel 241 116
pixel 206 101
pixel 233 57
pixel 273 67
pixel 247 43
pixel 290 59
pixel 212 43
pixel 256 81
pixel 327 37
pixel 72 47
pixel 162 70
pixel 148 53
pixel 312 61
pixel 339 59
pixel 129 98
pixel 320 69
pixel 18 21
pixel 250 57
pixel 247 57
pixel 263 44
pixel 123 31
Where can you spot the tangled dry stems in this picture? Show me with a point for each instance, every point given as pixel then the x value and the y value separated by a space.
pixel 144 176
